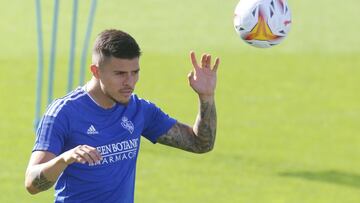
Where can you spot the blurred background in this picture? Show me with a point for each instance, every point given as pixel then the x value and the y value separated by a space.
pixel 288 116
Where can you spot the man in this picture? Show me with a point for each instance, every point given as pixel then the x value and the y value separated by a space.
pixel 87 142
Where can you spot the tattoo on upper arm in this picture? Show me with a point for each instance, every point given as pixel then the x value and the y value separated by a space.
pixel 198 139
pixel 180 136
pixel 40 182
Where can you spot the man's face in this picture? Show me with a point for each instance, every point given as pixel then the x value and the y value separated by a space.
pixel 118 78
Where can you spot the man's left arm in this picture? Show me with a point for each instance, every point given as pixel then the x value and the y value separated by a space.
pixel 201 137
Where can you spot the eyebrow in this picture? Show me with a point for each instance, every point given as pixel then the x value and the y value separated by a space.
pixel 119 71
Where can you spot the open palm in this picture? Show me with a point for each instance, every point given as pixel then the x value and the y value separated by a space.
pixel 203 77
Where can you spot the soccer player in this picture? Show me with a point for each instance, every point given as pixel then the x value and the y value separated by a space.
pixel 88 141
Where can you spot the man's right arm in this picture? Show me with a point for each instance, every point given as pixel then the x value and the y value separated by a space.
pixel 45 167
pixel 42 172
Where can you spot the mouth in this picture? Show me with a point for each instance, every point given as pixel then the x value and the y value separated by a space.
pixel 126 92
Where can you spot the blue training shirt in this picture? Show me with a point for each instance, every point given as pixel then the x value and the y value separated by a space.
pixel 77 120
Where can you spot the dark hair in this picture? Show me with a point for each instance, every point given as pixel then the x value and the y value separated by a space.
pixel 114 43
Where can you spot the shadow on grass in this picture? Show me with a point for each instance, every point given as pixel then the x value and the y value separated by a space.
pixel 335 177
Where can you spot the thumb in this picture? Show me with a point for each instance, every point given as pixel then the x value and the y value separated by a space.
pixel 191 77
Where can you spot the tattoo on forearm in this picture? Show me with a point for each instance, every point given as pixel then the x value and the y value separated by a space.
pixel 205 126
pixel 40 181
pixel 198 139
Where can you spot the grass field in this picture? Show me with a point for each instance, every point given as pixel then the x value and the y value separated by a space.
pixel 288 117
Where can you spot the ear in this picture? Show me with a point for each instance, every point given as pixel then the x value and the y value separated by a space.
pixel 95 70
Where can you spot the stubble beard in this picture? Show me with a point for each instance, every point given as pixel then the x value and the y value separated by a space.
pixel 124 102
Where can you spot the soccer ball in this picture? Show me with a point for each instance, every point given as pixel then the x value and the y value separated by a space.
pixel 262 23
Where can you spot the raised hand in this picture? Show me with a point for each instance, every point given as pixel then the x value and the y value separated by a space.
pixel 203 77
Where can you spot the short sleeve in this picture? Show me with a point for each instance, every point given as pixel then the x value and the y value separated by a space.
pixel 156 122
pixel 50 134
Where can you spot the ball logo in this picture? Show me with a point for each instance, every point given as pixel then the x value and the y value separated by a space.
pixel 127 124
pixel 261 31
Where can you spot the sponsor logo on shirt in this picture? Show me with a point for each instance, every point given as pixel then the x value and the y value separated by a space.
pixel 92 131
pixel 127 124
pixel 119 151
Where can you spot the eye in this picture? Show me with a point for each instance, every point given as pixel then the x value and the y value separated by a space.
pixel 120 73
pixel 135 72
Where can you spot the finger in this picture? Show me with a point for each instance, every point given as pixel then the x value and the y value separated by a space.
pixel 208 61
pixel 203 60
pixel 91 154
pixel 77 154
pixel 84 152
pixel 79 158
pixel 85 155
pixel 94 153
pixel 217 62
pixel 193 59
pixel 191 76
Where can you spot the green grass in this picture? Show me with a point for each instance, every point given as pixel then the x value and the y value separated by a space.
pixel 287 116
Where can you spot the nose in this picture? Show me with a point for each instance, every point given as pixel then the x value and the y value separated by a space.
pixel 129 80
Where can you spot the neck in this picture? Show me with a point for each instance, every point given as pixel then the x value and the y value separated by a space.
pixel 94 89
